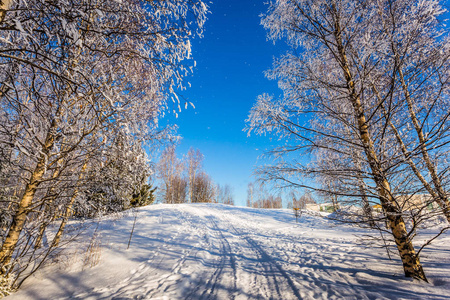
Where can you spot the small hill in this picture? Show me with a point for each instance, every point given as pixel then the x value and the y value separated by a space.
pixel 210 251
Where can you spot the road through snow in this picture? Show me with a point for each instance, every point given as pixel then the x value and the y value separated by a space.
pixel 221 252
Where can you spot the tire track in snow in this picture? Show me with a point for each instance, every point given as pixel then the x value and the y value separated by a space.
pixel 273 273
pixel 226 258
pixel 225 253
pixel 269 264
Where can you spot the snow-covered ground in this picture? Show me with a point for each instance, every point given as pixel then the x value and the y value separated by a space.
pixel 221 252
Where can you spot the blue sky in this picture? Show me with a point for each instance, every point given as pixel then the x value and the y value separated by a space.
pixel 231 59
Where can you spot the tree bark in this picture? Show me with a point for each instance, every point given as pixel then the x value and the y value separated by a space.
pixel 25 202
pixel 411 263
pixel 4 6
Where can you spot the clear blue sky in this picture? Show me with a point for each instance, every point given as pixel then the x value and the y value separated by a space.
pixel 231 60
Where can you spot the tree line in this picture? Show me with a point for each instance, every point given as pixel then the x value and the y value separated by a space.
pixel 261 196
pixel 185 181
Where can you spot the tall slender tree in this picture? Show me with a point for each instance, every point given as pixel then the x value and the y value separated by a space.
pixel 345 51
pixel 194 164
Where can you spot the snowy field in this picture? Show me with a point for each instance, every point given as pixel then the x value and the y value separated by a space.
pixel 222 252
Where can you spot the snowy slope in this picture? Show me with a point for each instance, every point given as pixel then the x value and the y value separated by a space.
pixel 222 252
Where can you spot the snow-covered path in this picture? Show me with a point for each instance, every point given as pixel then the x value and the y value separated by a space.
pixel 223 252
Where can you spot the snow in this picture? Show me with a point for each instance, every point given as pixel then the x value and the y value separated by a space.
pixel 207 251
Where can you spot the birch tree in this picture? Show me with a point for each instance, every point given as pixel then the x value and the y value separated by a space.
pixel 203 189
pixel 344 54
pixel 194 164
pixel 73 73
pixel 224 194
pixel 250 194
pixel 171 171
